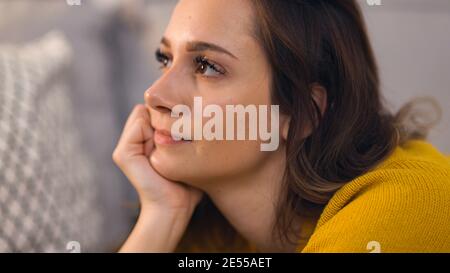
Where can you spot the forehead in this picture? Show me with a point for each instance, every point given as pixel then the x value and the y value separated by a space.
pixel 225 22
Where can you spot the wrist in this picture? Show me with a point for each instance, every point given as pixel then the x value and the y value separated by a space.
pixel 164 212
pixel 158 229
pixel 166 225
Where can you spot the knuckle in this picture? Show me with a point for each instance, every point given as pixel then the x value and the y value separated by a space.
pixel 117 157
pixel 139 107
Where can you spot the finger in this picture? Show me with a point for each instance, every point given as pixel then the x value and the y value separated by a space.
pixel 132 143
pixel 129 154
pixel 138 132
pixel 148 147
pixel 138 111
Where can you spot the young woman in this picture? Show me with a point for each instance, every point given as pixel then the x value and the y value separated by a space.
pixel 347 175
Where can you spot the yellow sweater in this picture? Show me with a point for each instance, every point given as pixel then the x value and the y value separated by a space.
pixel 403 205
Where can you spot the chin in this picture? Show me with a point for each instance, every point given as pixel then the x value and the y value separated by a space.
pixel 172 167
pixel 165 167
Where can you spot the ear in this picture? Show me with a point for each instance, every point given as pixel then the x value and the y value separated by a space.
pixel 319 95
pixel 285 122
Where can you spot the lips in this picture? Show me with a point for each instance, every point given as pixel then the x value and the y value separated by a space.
pixel 164 137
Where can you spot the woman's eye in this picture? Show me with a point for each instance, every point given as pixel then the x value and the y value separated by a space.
pixel 163 59
pixel 207 68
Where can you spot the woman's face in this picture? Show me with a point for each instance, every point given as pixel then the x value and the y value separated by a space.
pixel 208 51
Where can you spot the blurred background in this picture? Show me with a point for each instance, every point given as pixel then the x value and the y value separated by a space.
pixel 70 75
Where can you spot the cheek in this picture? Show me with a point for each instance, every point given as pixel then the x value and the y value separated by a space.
pixel 207 161
pixel 221 159
pixel 168 164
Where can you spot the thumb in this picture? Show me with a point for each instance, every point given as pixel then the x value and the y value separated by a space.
pixel 139 133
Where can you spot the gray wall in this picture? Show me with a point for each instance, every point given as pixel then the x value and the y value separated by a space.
pixel 411 39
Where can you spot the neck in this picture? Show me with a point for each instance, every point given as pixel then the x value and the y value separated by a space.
pixel 249 202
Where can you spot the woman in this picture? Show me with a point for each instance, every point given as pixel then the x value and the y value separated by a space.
pixel 347 176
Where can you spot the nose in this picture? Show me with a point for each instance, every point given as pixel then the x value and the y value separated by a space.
pixel 155 102
pixel 160 97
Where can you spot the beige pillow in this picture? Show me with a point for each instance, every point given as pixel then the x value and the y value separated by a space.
pixel 47 193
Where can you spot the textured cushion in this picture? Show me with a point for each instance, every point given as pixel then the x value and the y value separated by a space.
pixel 47 193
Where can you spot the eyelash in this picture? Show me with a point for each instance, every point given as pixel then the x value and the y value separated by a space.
pixel 162 58
pixel 201 63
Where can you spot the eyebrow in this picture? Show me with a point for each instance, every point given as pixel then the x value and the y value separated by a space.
pixel 193 46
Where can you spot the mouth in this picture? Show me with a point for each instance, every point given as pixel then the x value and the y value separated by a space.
pixel 164 137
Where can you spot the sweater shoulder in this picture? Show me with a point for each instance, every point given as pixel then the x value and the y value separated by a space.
pixel 402 204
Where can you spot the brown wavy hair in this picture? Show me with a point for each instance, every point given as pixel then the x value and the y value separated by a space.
pixel 321 42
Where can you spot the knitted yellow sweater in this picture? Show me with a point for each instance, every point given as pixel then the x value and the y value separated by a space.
pixel 403 205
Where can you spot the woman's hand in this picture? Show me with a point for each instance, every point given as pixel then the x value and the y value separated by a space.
pixel 166 206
